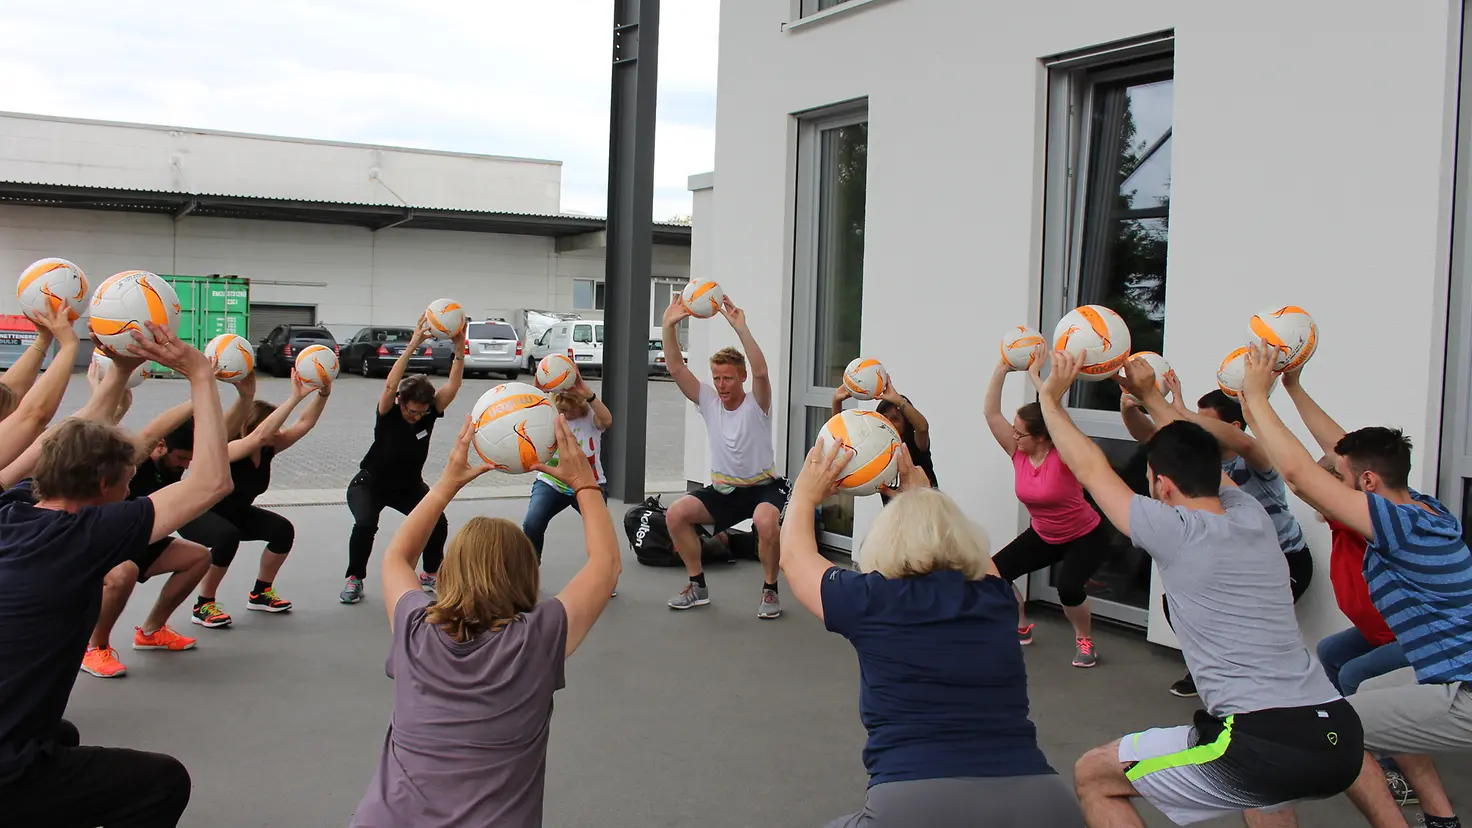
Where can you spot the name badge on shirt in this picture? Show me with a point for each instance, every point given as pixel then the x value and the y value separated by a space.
pixel 421 435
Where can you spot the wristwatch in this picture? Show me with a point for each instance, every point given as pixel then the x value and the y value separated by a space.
pixel 592 395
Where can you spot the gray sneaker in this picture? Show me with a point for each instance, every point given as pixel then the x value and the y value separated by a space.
pixel 1083 653
pixel 690 597
pixel 771 607
pixel 428 582
pixel 353 592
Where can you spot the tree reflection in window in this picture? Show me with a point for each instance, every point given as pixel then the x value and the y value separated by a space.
pixel 842 192
pixel 1127 216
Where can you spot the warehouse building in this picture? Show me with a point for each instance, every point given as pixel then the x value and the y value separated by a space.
pixel 338 234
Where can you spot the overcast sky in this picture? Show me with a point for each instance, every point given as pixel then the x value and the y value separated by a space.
pixel 523 78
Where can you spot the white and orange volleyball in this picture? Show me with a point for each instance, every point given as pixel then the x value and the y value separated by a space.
pixel 105 364
pixel 1157 364
pixel 875 445
pixel 865 379
pixel 47 285
pixel 316 366
pixel 556 372
pixel 1096 334
pixel 445 318
pixel 1019 347
pixel 125 301
pixel 1291 331
pixel 515 428
pixel 231 357
pixel 1233 371
pixel 703 298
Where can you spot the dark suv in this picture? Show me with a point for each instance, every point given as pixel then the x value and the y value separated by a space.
pixel 276 354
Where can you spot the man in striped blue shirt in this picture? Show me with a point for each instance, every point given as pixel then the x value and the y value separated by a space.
pixel 1420 576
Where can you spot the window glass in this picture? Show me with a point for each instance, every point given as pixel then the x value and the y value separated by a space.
pixel 582 333
pixel 842 191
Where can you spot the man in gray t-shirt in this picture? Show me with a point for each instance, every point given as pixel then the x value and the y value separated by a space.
pixel 1274 730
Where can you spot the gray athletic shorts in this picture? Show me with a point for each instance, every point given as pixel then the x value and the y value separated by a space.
pixel 1417 718
pixel 1004 802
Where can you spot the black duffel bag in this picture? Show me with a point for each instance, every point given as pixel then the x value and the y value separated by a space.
pixel 649 537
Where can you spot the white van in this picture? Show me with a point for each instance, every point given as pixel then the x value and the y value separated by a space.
pixel 582 340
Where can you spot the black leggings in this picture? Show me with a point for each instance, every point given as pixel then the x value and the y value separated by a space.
pixel 366 501
pixel 76 786
pixel 222 532
pixel 1081 558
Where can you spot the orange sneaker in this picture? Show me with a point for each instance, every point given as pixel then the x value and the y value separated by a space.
pixel 103 663
pixel 162 639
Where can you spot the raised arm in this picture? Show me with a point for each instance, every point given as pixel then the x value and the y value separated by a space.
pixel 158 428
pixel 839 395
pixel 101 407
pixel 243 447
pixel 1000 426
pixel 1303 475
pixel 209 470
pixel 403 551
pixel 446 394
pixel 602 417
pixel 674 361
pixel 288 437
pixel 1136 421
pixel 919 426
pixel 401 366
pixel 1082 456
pixel 245 394
pixel 1325 431
pixel 756 361
pixel 39 405
pixel 587 593
pixel 22 373
pixel 801 561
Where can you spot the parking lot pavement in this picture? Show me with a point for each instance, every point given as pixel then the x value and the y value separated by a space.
pixel 319 467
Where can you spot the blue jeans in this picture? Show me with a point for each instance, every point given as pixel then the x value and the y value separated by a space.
pixel 545 504
pixel 1350 659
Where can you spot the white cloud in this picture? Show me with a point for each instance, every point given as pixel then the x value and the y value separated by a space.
pixel 496 77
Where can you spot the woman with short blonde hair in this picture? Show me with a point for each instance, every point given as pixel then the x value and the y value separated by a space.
pixel 942 684
pixel 475 667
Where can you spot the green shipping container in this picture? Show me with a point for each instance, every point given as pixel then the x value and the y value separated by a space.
pixel 209 306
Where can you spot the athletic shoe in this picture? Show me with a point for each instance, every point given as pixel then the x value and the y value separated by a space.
pixel 770 606
pixel 1083 653
pixel 1024 635
pixel 352 593
pixel 1400 789
pixel 103 663
pixel 428 582
pixel 267 601
pixel 690 597
pixel 209 614
pixel 163 638
pixel 1185 688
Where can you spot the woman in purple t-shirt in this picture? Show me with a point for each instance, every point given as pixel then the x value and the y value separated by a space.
pixel 475 667
pixel 1064 528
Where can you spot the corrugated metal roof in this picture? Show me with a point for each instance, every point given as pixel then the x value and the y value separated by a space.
pixel 372 216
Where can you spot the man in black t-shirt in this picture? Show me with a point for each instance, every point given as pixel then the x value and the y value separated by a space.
pixel 391 474
pixel 61 532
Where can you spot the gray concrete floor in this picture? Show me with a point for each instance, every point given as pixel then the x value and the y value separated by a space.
pixel 709 717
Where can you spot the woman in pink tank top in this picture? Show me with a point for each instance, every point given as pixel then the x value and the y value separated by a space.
pixel 1064 529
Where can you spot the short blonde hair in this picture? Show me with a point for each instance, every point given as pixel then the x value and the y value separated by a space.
pixel 568 401
pixel 489 578
pixel 729 356
pixel 923 531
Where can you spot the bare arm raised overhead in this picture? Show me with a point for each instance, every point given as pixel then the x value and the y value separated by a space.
pixel 674 361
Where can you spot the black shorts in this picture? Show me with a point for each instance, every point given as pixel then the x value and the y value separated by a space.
pixel 1080 559
pixel 727 510
pixel 150 556
pixel 1264 759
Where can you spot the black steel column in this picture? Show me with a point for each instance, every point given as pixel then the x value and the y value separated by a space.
pixel 630 228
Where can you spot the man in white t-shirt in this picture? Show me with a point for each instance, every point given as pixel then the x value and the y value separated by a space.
pixel 588 418
pixel 744 484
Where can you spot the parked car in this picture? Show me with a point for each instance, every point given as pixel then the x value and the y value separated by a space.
pixel 492 346
pixel 656 354
pixel 373 351
pixel 581 340
pixel 276 354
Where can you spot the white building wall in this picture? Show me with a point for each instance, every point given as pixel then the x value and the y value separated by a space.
pixel 353 277
pixel 81 153
pixel 1285 189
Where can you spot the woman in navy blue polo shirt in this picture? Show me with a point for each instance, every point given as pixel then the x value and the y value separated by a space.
pixel 943 688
